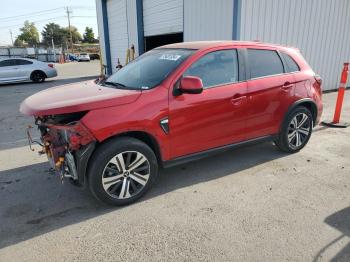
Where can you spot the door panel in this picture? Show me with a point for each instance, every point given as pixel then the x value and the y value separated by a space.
pixel 23 71
pixel 268 100
pixel 214 118
pixel 270 92
pixel 8 70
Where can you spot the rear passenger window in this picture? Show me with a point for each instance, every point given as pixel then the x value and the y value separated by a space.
pixel 264 63
pixel 216 68
pixel 292 66
pixel 22 62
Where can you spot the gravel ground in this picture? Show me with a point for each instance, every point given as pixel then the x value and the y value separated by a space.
pixel 251 204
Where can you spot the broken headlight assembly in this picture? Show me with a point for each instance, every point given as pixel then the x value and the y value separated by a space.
pixel 65 141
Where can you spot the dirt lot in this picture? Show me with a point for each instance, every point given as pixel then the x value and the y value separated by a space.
pixel 251 204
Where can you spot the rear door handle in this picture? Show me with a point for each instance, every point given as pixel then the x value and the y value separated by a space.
pixel 286 86
pixel 237 100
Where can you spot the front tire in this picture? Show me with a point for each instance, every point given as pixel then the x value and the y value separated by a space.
pixel 122 170
pixel 296 130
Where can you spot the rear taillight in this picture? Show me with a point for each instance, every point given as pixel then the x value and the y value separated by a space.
pixel 318 79
pixel 51 65
pixel 318 84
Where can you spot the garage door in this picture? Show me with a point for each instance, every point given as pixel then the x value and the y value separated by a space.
pixel 162 17
pixel 118 32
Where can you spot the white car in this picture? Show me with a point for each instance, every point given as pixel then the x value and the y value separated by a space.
pixel 23 69
pixel 83 57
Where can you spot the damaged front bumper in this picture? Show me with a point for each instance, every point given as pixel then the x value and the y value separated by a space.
pixel 67 146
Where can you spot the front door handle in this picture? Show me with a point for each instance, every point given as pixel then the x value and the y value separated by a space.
pixel 237 100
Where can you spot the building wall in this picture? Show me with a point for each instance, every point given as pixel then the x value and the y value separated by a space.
pixel 208 20
pixel 122 29
pixel 319 28
pixel 162 17
pixel 100 29
pixel 132 25
pixel 118 30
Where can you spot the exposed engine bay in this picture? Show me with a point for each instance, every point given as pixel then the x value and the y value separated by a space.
pixel 67 143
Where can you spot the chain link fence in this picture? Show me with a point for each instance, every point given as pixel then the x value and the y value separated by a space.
pixel 41 54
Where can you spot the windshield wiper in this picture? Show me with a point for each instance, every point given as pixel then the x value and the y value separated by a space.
pixel 115 84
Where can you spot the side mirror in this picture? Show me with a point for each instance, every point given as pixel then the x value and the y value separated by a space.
pixel 191 85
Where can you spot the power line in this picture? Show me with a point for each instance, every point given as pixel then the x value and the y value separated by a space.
pixel 42 20
pixel 47 11
pixel 33 13
pixel 83 16
pixel 35 16
pixel 83 7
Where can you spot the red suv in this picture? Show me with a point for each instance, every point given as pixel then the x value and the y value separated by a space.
pixel 174 104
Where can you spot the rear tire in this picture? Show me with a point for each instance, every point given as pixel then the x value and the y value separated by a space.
pixel 38 77
pixel 122 170
pixel 296 130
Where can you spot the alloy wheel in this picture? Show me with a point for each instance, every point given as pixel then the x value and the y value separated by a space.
pixel 37 77
pixel 126 174
pixel 299 130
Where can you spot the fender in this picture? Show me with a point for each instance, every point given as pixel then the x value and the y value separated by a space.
pixel 309 101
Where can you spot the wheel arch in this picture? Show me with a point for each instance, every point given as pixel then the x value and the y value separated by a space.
pixel 306 102
pixel 143 136
pixel 37 71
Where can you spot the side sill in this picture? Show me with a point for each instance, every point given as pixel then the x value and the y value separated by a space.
pixel 196 156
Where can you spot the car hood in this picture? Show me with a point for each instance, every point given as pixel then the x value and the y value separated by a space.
pixel 82 96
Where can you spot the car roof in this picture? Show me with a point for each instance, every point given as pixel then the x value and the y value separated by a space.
pixel 210 44
pixel 22 58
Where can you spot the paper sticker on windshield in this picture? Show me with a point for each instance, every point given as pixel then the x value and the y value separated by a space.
pixel 170 57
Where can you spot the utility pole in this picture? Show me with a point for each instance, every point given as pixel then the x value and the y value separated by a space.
pixel 11 36
pixel 53 47
pixel 69 28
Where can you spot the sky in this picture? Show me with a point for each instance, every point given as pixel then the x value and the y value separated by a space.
pixel 15 12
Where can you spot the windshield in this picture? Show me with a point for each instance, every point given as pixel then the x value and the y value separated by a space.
pixel 148 70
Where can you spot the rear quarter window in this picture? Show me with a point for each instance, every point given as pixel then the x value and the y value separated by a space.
pixel 292 66
pixel 264 63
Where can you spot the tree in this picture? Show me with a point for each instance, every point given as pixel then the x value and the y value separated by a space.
pixel 89 36
pixel 18 43
pixel 53 30
pixel 30 34
pixel 75 34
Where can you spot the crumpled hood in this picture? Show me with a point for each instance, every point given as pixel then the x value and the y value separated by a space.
pixel 82 96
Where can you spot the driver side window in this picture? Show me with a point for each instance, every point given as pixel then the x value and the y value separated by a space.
pixel 216 68
pixel 8 62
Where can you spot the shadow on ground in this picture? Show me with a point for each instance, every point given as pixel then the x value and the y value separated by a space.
pixel 340 221
pixel 33 202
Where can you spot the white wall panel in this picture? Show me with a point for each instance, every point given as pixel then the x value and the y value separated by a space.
pixel 208 20
pixel 319 28
pixel 162 16
pixel 132 24
pixel 118 30
pixel 100 29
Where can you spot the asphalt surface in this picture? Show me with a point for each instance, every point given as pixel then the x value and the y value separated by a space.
pixel 250 204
